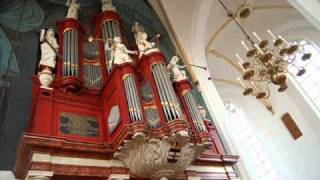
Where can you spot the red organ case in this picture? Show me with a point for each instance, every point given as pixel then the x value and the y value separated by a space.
pixel 129 118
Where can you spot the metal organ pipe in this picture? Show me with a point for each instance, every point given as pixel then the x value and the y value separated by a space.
pixel 167 94
pixel 172 94
pixel 72 49
pixel 195 114
pixel 76 60
pixel 159 87
pixel 133 99
pixel 191 110
pixel 109 30
pixel 136 97
pixel 128 99
pixel 70 53
pixel 64 54
pixel 134 105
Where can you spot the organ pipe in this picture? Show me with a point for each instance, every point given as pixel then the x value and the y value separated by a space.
pixel 92 76
pixel 109 30
pixel 167 95
pixel 70 53
pixel 133 100
pixel 195 114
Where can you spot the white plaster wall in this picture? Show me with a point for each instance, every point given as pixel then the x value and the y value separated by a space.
pixel 294 159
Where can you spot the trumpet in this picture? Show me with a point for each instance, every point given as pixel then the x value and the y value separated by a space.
pixel 201 67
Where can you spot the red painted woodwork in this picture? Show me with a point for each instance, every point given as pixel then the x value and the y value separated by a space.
pixel 217 145
pixel 144 68
pixel 32 143
pixel 181 88
pixel 44 133
pixel 67 83
pixel 99 21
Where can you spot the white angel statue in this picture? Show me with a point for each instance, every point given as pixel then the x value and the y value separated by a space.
pixel 141 38
pixel 107 5
pixel 119 52
pixel 175 68
pixel 137 30
pixel 74 8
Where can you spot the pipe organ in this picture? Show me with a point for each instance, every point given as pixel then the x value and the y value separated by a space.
pixel 194 112
pixel 92 76
pixel 168 98
pixel 129 118
pixel 70 53
pixel 70 63
pixel 132 99
pixel 110 29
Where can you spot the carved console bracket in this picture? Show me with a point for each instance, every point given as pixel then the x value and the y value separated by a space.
pixel 156 158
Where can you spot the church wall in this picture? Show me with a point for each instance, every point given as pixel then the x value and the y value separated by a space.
pixel 293 159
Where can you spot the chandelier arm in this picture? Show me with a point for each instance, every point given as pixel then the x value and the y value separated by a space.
pixel 268 93
pixel 230 14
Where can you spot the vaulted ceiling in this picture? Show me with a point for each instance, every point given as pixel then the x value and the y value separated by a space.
pixel 222 37
pixel 209 37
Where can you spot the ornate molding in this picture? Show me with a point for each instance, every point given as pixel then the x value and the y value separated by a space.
pixel 39 175
pixel 156 158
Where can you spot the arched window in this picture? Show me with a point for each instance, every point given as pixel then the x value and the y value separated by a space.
pixel 310 81
pixel 252 154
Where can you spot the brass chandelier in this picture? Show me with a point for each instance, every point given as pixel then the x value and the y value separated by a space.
pixel 267 62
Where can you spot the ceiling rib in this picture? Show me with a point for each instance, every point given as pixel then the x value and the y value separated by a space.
pixel 225 59
pixel 216 33
pixel 226 81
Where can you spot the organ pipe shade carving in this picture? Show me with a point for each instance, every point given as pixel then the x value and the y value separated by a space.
pixel 132 99
pixel 146 92
pixel 92 76
pixel 153 117
pixel 109 29
pixel 70 53
pixel 194 112
pixel 167 95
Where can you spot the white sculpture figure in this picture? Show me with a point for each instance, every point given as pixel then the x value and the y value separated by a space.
pixel 107 5
pixel 202 111
pixel 141 38
pixel 49 49
pixel 74 8
pixel 178 74
pixel 203 114
pixel 119 52
pixel 137 30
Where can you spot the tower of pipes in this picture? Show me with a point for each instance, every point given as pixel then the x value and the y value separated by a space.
pixel 117 114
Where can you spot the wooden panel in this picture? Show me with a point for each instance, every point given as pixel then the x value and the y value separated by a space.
pixel 291 126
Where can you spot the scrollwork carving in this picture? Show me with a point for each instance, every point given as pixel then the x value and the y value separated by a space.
pixel 148 157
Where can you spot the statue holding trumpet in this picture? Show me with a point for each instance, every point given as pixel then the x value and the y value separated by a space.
pixel 177 70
